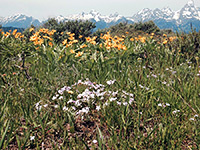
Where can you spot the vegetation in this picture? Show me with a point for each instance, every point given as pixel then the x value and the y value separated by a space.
pixel 58 91
pixel 11 29
pixel 134 29
pixel 83 28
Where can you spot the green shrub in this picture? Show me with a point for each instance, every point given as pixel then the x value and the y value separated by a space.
pixel 147 27
pixel 124 28
pixel 79 27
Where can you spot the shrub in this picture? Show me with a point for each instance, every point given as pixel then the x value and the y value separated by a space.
pixel 78 27
pixel 135 29
pixel 147 27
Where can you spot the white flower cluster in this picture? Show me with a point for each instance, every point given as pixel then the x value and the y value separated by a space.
pixel 193 119
pixel 175 111
pixel 164 105
pixel 93 94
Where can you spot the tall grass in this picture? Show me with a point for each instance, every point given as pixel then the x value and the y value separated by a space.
pixel 120 93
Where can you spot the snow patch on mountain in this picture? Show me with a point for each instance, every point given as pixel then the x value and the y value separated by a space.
pixel 190 3
pixel 19 20
pixel 167 13
pixel 189 11
pixel 176 15
pixel 198 9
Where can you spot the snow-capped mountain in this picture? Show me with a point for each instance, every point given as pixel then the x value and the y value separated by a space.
pixel 143 15
pixel 163 18
pixel 167 18
pixel 167 13
pixel 101 21
pixel 187 12
pixel 19 21
pixel 92 15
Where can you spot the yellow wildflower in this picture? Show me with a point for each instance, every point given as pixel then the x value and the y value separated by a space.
pixel 172 38
pixel 143 39
pixel 14 32
pixel 17 35
pixel 83 46
pixel 120 39
pixel 79 54
pixel 72 34
pixel 80 36
pixel 72 51
pixel 59 57
pixel 75 41
pixel 41 41
pixel 31 29
pixel 93 42
pixel 7 34
pixel 88 39
pixel 70 92
pixel 50 44
pixel 165 42
pixel 165 35
pixel 71 38
pixel 100 45
pixel 124 47
pixel 33 38
pixel 64 42
pixel 94 38
pixel 22 36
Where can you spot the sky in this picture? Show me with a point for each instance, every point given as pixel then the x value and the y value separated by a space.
pixel 43 9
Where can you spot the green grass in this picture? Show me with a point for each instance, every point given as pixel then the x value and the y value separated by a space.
pixel 145 97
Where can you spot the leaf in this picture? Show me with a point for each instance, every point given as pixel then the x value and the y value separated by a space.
pixel 85 144
pixel 18 142
pixel 101 55
pixel 4 135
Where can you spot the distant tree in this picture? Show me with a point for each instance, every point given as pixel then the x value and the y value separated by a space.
pixel 83 28
pixel 80 27
pixel 51 24
pixel 1 29
pixel 125 28
pixel 7 29
pixel 148 27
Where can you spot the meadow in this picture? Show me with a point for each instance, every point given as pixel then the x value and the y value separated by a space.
pixel 101 92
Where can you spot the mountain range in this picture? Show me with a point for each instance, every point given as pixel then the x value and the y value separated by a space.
pixel 165 18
